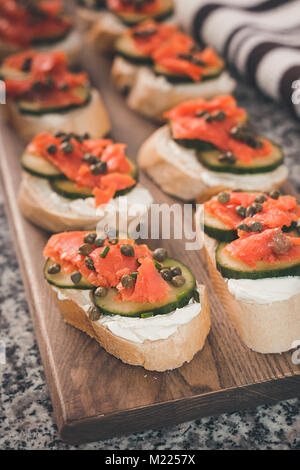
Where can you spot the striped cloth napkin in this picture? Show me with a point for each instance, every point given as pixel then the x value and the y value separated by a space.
pixel 259 38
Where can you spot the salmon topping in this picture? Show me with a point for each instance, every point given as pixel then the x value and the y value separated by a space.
pixel 47 82
pixel 147 7
pixel 260 247
pixel 150 35
pixel 109 270
pixel 68 157
pixel 23 23
pixel 189 121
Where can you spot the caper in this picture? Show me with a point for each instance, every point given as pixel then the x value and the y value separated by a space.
pixel 26 66
pixel 178 281
pixel 261 198
pixel 127 281
pixel 67 147
pixel 256 226
pixel 99 241
pixel 250 211
pixel 176 271
pixel 76 277
pixel 275 194
pixel 166 274
pixel 257 206
pixel 220 116
pixel 89 264
pixel 51 149
pixel 85 249
pixel 90 237
pixel 99 168
pixel 224 198
pixel 89 158
pixel 160 254
pixel 94 313
pixel 101 291
pixel 202 114
pixel 243 227
pixel 86 136
pixel 241 211
pixel 54 269
pixel 127 250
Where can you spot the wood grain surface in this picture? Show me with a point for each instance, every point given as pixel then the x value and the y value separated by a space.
pixel 94 395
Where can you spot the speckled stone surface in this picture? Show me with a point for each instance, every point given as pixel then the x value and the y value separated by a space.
pixel 25 407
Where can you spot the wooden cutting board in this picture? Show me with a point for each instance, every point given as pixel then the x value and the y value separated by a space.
pixel 94 395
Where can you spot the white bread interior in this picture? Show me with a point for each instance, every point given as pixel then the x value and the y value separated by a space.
pixel 160 355
pixel 86 17
pixel 104 31
pixel 92 118
pixel 178 174
pixel 123 74
pixel 153 95
pixel 267 328
pixel 35 205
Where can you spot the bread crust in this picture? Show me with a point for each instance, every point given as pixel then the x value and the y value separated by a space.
pixel 152 96
pixel 158 355
pixel 172 174
pixel 36 208
pixel 92 118
pixel 267 328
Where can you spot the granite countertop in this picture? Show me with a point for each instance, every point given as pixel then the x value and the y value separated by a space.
pixel 25 407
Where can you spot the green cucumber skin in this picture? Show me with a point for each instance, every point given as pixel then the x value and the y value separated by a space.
pixel 234 274
pixel 82 285
pixel 240 171
pixel 176 79
pixel 220 235
pixel 195 144
pixel 73 196
pixel 135 59
pixel 64 109
pixel 180 303
pixel 50 41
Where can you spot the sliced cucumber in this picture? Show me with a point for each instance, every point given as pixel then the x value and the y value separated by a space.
pixel 37 109
pixel 126 48
pixel 49 40
pixel 13 74
pixel 70 189
pixel 178 297
pixel 210 159
pixel 167 9
pixel 216 229
pixel 209 74
pixel 63 279
pixel 39 166
pixel 232 268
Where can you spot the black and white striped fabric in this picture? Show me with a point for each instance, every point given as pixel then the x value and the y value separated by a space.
pixel 260 38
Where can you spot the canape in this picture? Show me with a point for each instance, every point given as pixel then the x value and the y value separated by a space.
pixel 252 246
pixel 141 306
pixel 208 146
pixel 110 22
pixel 43 95
pixel 161 67
pixel 75 182
pixel 42 25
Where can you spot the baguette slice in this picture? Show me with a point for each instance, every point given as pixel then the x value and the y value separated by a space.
pixel 104 31
pixel 70 45
pixel 92 118
pixel 53 214
pixel 87 17
pixel 159 355
pixel 123 74
pixel 177 170
pixel 267 328
pixel 153 95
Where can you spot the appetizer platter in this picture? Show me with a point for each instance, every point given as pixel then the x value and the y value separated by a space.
pixel 131 384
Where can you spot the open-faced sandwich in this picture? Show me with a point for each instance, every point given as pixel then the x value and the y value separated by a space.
pixel 43 95
pixel 252 245
pixel 110 18
pixel 162 67
pixel 38 24
pixel 209 146
pixel 142 306
pixel 75 182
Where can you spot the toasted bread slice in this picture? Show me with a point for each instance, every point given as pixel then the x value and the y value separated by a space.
pixel 92 118
pixel 264 328
pixel 178 172
pixel 159 355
